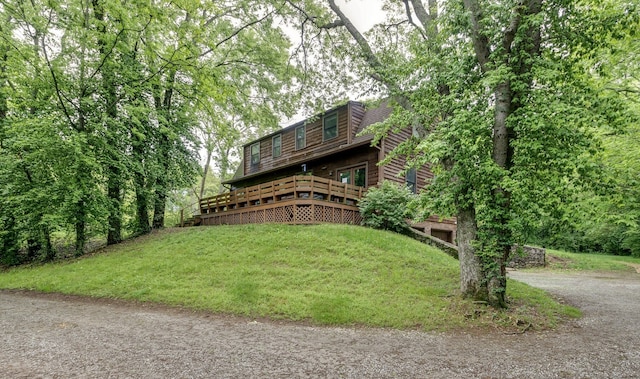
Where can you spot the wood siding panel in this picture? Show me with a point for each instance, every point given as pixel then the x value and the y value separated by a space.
pixel 397 165
pixel 433 225
pixel 391 170
pixel 326 167
pixel 357 114
pixel 314 142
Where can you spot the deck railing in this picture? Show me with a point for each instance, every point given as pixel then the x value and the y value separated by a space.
pixel 294 187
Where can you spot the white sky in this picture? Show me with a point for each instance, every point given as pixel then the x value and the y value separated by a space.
pixel 363 13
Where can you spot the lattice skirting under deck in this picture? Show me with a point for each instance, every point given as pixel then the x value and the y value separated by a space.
pixel 308 213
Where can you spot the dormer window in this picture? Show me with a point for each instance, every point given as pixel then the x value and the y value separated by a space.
pixel 330 127
pixel 255 153
pixel 301 137
pixel 276 146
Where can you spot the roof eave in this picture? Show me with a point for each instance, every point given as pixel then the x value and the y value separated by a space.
pixel 301 160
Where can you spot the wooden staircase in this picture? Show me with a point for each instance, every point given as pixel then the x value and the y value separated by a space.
pixel 191 221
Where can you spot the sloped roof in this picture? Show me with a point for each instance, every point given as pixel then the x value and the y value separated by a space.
pixel 372 116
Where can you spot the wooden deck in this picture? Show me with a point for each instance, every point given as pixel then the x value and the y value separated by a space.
pixel 299 199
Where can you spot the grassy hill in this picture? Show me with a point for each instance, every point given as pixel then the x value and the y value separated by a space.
pixel 324 274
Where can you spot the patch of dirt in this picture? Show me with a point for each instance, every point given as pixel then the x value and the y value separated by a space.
pixel 635 266
pixel 51 336
pixel 558 262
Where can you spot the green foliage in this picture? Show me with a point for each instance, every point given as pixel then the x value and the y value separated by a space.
pixel 605 217
pixel 9 241
pixel 505 98
pixel 326 274
pixel 387 207
pixel 100 104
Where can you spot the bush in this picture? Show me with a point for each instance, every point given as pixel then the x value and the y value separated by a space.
pixel 387 207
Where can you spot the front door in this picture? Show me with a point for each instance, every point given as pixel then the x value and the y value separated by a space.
pixel 353 175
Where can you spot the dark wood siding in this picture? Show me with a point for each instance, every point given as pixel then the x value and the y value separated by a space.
pixel 357 113
pixel 392 170
pixel 326 167
pixel 314 140
pixel 433 225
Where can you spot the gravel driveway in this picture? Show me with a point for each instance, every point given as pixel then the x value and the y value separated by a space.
pixel 51 336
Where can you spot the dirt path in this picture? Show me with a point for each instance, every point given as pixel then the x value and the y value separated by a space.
pixel 56 337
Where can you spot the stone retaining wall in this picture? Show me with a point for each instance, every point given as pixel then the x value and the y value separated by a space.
pixel 527 256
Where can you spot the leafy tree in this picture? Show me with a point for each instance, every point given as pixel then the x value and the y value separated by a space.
pixel 387 207
pixel 100 102
pixel 503 103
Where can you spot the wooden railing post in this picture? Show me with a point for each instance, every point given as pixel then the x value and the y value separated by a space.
pixel 295 187
pixel 329 191
pixel 312 187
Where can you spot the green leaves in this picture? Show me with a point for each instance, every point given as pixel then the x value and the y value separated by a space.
pixel 508 96
pixel 387 207
pixel 100 103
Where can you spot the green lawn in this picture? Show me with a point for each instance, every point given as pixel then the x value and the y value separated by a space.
pixel 557 259
pixel 325 274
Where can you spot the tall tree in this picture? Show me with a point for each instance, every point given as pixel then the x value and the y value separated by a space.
pixel 485 85
pixel 100 101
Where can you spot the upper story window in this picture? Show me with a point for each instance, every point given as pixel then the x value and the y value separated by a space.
pixel 255 153
pixel 330 127
pixel 412 179
pixel 301 137
pixel 276 146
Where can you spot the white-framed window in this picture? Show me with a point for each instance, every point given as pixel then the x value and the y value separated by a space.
pixel 301 137
pixel 330 127
pixel 276 145
pixel 255 153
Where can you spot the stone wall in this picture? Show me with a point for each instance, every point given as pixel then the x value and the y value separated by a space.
pixel 527 256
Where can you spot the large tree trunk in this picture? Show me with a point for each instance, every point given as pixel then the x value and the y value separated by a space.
pixel 159 205
pixel 114 234
pixel 160 192
pixel 499 224
pixel 114 180
pixel 471 279
pixel 205 172
pixel 142 204
pixel 163 148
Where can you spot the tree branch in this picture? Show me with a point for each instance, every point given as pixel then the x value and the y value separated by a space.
pixel 407 9
pixel 369 55
pixel 56 84
pixel 510 32
pixel 236 32
pixel 480 41
pixel 331 25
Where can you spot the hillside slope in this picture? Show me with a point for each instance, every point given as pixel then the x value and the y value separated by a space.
pixel 327 274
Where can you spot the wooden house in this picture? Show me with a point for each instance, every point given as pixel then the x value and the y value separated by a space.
pixel 315 171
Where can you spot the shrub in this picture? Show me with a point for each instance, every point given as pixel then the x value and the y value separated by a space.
pixel 387 207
